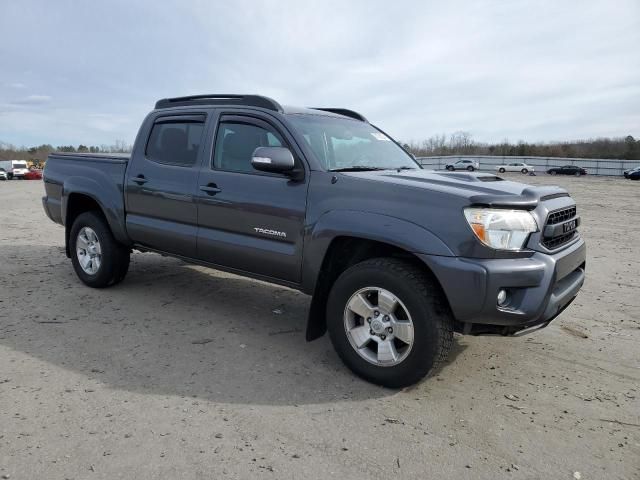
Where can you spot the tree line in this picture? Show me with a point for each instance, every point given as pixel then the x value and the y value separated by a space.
pixel 38 154
pixel 459 143
pixel 462 143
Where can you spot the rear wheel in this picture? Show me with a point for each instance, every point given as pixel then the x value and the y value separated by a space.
pixel 98 259
pixel 450 168
pixel 389 322
pixel 552 172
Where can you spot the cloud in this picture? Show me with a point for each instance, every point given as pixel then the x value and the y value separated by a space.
pixel 107 122
pixel 32 100
pixel 522 70
pixel 16 85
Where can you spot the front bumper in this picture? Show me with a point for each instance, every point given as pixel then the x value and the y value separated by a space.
pixel 539 287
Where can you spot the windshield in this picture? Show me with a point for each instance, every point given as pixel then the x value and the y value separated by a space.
pixel 343 144
pixel 19 165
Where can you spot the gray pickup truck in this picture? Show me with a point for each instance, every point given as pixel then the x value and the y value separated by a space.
pixel 397 258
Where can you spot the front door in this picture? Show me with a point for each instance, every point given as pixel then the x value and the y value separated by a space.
pixel 161 181
pixel 248 220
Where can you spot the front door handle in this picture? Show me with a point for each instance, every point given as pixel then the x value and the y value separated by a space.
pixel 210 189
pixel 140 179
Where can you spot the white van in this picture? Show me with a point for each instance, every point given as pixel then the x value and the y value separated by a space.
pixel 14 168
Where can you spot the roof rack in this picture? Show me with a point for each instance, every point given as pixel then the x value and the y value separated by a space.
pixel 344 111
pixel 249 100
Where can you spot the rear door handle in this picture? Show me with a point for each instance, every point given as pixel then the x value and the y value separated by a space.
pixel 210 189
pixel 140 179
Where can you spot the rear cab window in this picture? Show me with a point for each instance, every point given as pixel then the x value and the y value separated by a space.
pixel 175 140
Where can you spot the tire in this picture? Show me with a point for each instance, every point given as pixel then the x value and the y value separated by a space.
pixel 577 174
pixel 553 172
pixel 524 171
pixel 9 176
pixel 470 168
pixel 113 259
pixel 426 310
pixel 450 168
pixel 501 170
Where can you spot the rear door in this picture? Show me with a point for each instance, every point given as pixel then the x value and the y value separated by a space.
pixel 249 220
pixel 160 185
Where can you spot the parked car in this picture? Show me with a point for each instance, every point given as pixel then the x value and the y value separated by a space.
pixel 397 258
pixel 3 174
pixel 515 167
pixel 465 164
pixel 567 170
pixel 33 175
pixel 633 173
pixel 14 168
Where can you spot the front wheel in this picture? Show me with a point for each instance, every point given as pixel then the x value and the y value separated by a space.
pixel 389 322
pixel 98 259
pixel 502 170
pixel 577 174
pixel 524 171
pixel 552 172
pixel 470 168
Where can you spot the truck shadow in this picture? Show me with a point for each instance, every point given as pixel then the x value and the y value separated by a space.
pixel 174 329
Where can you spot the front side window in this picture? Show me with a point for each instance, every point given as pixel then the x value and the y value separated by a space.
pixel 236 142
pixel 175 143
pixel 341 143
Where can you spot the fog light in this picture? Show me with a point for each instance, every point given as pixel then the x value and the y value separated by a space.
pixel 502 298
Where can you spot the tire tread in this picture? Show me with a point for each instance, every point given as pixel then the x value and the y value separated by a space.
pixel 116 267
pixel 440 313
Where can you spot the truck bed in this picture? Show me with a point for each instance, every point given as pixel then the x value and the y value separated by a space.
pixel 93 157
pixel 99 176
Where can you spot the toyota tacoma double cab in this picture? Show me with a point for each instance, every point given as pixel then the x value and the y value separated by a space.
pixel 396 258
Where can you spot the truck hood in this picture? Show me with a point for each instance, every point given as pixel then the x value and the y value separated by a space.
pixel 478 188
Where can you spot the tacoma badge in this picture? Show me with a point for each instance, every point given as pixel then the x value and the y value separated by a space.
pixel 267 231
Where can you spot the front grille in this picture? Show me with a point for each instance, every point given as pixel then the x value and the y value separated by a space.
pixel 553 243
pixel 560 216
pixel 555 218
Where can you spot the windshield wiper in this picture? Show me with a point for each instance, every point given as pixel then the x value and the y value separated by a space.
pixel 356 168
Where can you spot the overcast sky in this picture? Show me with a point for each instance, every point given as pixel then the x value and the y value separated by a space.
pixel 88 71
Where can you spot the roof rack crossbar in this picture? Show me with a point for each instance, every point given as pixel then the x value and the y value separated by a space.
pixel 344 111
pixel 221 99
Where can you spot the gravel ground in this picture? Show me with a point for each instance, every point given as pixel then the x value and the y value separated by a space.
pixel 185 372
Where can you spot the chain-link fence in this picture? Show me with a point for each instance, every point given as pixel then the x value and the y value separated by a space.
pixel 594 166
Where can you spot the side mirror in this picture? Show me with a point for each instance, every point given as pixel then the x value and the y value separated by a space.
pixel 273 159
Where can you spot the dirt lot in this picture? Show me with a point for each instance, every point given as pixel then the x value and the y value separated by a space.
pixel 184 372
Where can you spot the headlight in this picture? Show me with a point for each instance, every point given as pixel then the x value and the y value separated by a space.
pixel 501 229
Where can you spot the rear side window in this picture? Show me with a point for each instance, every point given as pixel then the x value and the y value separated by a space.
pixel 175 142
